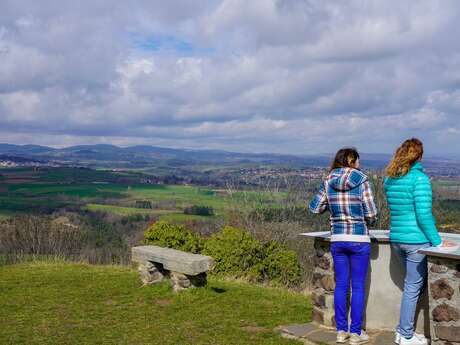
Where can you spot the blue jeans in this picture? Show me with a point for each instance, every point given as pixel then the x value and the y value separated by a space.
pixel 414 281
pixel 350 257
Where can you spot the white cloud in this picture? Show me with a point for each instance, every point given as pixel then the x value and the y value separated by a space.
pixel 277 75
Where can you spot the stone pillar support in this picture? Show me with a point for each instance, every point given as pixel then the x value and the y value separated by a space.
pixel 150 273
pixel 323 284
pixel 444 288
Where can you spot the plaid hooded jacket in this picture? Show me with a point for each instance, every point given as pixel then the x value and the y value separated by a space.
pixel 347 195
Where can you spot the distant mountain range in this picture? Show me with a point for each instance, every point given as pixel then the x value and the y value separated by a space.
pixel 146 156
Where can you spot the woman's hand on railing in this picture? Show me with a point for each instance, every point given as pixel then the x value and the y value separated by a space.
pixel 447 244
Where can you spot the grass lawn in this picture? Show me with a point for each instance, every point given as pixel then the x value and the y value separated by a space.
pixel 58 303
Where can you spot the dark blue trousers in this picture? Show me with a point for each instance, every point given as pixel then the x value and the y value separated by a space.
pixel 351 260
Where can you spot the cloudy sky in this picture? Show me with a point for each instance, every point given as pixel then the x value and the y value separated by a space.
pixel 287 76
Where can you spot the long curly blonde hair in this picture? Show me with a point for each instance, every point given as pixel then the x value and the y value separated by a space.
pixel 407 154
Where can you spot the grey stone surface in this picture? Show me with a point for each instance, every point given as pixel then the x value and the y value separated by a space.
pixel 313 334
pixel 444 300
pixel 322 262
pixel 323 336
pixel 448 333
pixel 173 260
pixel 438 268
pixel 150 273
pixel 441 288
pixel 182 281
pixel 383 338
pixel 299 330
pixel 317 315
pixel 445 312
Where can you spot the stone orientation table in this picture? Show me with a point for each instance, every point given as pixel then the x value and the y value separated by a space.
pixel 438 312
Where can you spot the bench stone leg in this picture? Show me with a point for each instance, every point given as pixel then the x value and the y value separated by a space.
pixel 182 281
pixel 150 273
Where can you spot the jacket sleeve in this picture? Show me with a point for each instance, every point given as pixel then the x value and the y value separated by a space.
pixel 423 198
pixel 370 210
pixel 319 203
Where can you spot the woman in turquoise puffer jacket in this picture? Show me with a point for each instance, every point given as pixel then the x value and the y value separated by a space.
pixel 413 227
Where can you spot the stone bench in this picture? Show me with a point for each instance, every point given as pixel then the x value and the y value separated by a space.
pixel 185 270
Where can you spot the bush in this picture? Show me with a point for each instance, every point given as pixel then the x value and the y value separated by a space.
pixel 199 210
pixel 174 236
pixel 281 265
pixel 235 253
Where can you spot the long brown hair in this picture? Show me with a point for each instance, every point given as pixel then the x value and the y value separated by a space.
pixel 345 158
pixel 407 154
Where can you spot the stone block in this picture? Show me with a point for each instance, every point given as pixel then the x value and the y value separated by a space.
pixel 318 298
pixel 448 333
pixel 323 262
pixel 317 315
pixel 435 268
pixel 445 312
pixel 150 273
pixel 328 283
pixel 323 336
pixel 317 279
pixel 182 281
pixel 441 289
pixel 299 330
pixel 329 318
pixel 329 301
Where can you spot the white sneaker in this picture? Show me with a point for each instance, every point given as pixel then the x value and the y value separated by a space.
pixel 398 336
pixel 356 339
pixel 415 340
pixel 342 337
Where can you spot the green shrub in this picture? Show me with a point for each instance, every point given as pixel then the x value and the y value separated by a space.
pixel 174 236
pixel 235 253
pixel 281 265
pixel 199 210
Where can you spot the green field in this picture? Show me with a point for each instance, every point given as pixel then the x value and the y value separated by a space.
pixel 57 303
pixel 92 190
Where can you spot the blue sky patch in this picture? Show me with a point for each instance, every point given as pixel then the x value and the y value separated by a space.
pixel 168 43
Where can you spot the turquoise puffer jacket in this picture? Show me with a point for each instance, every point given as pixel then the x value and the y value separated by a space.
pixel 410 201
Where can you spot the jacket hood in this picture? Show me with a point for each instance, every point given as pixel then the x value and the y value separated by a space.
pixel 344 179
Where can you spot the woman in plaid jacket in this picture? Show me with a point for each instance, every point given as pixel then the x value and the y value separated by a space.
pixel 347 195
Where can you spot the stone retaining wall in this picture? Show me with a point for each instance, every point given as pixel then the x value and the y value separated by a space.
pixel 323 285
pixel 444 288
